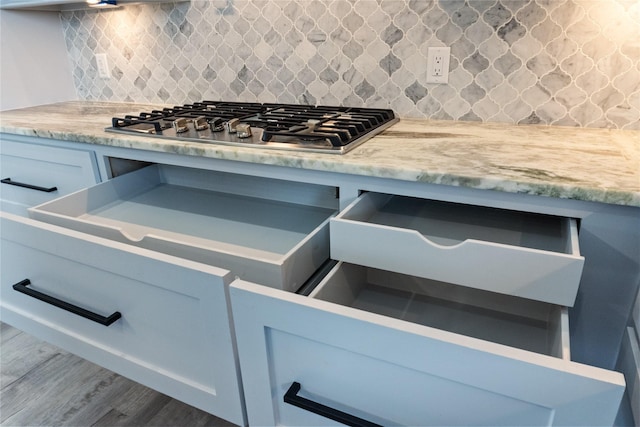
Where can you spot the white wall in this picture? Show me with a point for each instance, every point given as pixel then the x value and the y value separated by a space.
pixel 34 64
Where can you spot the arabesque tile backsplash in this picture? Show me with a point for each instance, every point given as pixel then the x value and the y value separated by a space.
pixel 559 62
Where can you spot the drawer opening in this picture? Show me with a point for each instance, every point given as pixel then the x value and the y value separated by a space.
pixel 517 322
pixel 253 226
pixel 448 223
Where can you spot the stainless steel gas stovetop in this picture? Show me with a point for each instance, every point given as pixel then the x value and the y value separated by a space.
pixel 281 126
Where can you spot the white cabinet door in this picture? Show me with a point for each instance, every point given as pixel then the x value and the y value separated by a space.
pixel 393 372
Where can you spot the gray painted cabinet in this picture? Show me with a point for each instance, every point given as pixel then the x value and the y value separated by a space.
pixel 372 340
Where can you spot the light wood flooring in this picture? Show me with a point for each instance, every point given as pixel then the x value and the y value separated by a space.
pixel 42 385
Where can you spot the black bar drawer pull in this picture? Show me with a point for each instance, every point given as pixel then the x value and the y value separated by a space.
pixel 29 186
pixel 106 321
pixel 291 397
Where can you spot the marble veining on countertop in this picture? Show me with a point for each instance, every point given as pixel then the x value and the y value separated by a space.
pixel 601 165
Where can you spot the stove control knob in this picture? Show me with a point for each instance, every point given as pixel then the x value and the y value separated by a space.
pixel 231 125
pixel 200 123
pixel 180 125
pixel 216 124
pixel 244 130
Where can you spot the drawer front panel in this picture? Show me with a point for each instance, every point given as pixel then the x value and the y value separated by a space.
pixel 174 332
pixel 389 371
pixel 429 240
pixel 383 393
pixel 42 173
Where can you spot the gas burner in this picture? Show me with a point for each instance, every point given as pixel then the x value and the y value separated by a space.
pixel 282 126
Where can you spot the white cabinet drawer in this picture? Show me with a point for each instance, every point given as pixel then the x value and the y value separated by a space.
pixel 401 350
pixel 255 227
pixel 515 253
pixel 32 174
pixel 629 365
pixel 174 333
pixel 635 315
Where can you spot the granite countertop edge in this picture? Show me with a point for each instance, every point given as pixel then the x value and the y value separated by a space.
pixel 599 165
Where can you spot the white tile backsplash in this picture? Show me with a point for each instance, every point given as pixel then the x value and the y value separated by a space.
pixel 559 62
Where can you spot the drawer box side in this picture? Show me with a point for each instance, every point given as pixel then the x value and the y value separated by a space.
pixel 251 186
pixel 80 202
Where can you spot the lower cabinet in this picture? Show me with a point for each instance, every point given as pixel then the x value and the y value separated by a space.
pixel 391 349
pixel 133 273
pixel 185 280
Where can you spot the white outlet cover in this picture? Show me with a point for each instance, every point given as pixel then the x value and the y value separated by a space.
pixel 438 64
pixel 103 65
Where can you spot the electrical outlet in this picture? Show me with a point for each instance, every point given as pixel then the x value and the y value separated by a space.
pixel 438 64
pixel 103 65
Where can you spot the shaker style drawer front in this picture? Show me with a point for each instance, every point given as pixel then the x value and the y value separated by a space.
pixel 255 227
pixel 392 349
pixel 515 253
pixel 32 174
pixel 160 320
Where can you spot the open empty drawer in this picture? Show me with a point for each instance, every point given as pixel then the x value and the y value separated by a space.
pixel 394 349
pixel 515 253
pixel 516 322
pixel 264 230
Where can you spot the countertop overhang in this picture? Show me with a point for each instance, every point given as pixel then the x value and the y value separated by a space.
pixel 601 165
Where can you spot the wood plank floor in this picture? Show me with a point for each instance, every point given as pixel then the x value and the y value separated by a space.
pixel 42 385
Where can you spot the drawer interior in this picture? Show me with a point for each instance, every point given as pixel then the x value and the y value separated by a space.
pixel 269 231
pixel 517 322
pixel 168 202
pixel 266 225
pixel 448 224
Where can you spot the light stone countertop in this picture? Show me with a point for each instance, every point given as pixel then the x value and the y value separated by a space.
pixel 599 165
